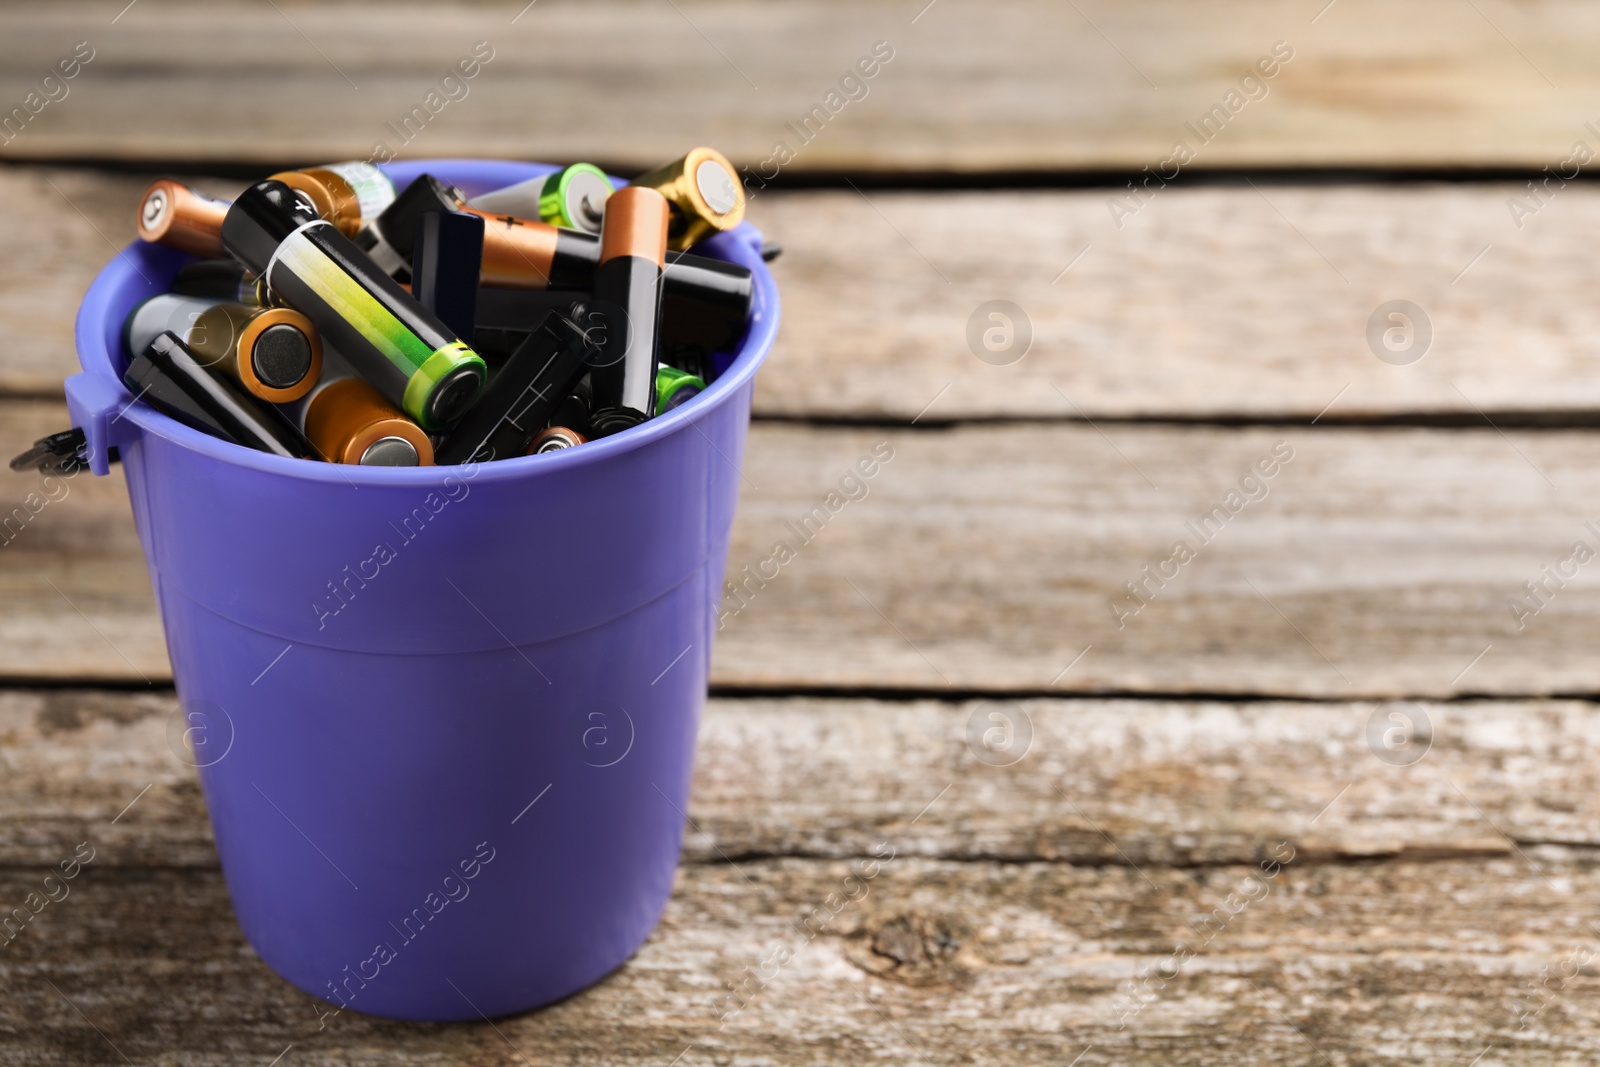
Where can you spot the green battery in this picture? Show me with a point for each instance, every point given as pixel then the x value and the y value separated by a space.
pixel 573 197
pixel 415 361
pixel 674 387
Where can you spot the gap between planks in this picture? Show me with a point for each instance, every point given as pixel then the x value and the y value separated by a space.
pixel 1488 419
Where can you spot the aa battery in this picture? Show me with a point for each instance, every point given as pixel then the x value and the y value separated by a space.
pixel 373 188
pixel 274 353
pixel 520 253
pixel 705 302
pixel 711 298
pixel 517 252
pixel 689 323
pixel 173 214
pixel 332 197
pixel 405 352
pixel 705 194
pixel 348 421
pixel 627 292
pixel 155 316
pixel 169 375
pixel 554 439
pixel 520 399
pixel 574 197
pixel 675 387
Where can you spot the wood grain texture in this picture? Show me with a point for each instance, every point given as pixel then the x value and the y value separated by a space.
pixel 59 228
pixel 73 582
pixel 1130 831
pixel 939 963
pixel 1208 303
pixel 1019 85
pixel 1085 782
pixel 1379 563
pixel 1376 563
pixel 1251 301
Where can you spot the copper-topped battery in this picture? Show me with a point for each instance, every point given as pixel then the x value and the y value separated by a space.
pixel 554 439
pixel 521 253
pixel 173 214
pixel 275 352
pixel 334 198
pixel 705 194
pixel 350 422
pixel 168 375
pixel 627 295
pixel 634 226
pixel 518 253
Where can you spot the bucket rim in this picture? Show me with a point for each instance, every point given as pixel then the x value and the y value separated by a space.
pixel 96 357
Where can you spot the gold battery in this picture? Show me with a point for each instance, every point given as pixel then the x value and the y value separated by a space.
pixel 350 422
pixel 173 214
pixel 705 193
pixel 334 198
pixel 274 352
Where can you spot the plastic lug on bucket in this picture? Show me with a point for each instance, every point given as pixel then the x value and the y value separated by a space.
pixel 443 717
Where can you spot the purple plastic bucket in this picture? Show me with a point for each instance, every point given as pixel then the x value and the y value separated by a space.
pixel 444 717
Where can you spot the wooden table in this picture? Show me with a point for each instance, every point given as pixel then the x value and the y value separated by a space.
pixel 1320 794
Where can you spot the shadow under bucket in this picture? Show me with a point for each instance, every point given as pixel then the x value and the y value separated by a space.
pixel 444 717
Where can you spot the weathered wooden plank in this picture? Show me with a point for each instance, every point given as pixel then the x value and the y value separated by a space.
pixel 1143 782
pixel 1247 301
pixel 1085 782
pixel 936 963
pixel 1376 563
pixel 62 227
pixel 1208 303
pixel 1020 85
pixel 73 582
pixel 1457 938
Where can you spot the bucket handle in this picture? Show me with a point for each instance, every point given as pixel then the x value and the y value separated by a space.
pixel 99 429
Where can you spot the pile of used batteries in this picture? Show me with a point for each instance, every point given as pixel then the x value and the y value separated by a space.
pixel 332 316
